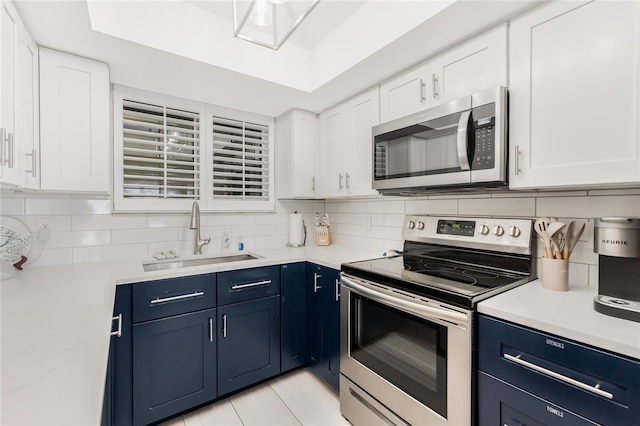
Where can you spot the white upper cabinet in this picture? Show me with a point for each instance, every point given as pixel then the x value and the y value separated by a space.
pixel 19 140
pixel 296 145
pixel 574 96
pixel 74 123
pixel 405 93
pixel 345 136
pixel 473 66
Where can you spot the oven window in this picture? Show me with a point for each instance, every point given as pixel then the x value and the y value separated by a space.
pixel 407 351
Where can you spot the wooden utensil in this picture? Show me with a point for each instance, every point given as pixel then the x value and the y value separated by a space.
pixel 554 230
pixel 574 239
pixel 568 238
pixel 540 227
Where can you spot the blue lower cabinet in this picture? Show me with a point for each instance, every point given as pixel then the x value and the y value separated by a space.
pixel 118 405
pixel 248 343
pixel 174 365
pixel 323 327
pixel 293 292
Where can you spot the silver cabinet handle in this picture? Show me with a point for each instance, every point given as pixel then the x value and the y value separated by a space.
pixel 463 125
pixel 593 389
pixel 34 165
pixel 434 86
pixel 224 325
pixel 211 329
pixel 339 180
pixel 313 183
pixel 249 285
pixel 174 298
pixel 316 287
pixel 118 332
pixel 423 87
pixel 517 159
pixel 3 156
pixel 346 179
pixel 337 289
pixel 8 149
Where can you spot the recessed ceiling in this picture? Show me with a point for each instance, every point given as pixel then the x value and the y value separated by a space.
pixel 325 18
pixel 187 49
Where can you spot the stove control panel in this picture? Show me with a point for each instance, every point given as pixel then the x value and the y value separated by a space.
pixel 503 234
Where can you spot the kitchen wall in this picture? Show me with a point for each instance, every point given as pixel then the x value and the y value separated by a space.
pixel 84 229
pixel 351 218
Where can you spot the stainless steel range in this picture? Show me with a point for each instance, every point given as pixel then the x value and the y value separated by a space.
pixel 407 321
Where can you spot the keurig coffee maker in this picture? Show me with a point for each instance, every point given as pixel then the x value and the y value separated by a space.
pixel 617 242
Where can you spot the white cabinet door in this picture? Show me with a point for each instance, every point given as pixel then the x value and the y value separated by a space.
pixel 19 110
pixel 346 140
pixel 574 95
pixel 8 32
pixel 335 148
pixel 27 111
pixel 405 93
pixel 474 66
pixel 74 123
pixel 362 115
pixel 296 155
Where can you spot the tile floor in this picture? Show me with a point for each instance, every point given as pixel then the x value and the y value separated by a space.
pixel 297 398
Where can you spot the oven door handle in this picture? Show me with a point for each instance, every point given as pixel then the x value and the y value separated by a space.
pixel 427 312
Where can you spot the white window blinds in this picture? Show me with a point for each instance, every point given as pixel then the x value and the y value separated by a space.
pixel 240 159
pixel 160 151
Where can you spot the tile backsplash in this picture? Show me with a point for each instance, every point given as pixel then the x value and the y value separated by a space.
pixel 85 229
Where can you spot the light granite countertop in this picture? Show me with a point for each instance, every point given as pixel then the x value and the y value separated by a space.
pixel 567 314
pixel 55 323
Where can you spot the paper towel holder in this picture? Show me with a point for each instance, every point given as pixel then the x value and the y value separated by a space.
pixel 304 238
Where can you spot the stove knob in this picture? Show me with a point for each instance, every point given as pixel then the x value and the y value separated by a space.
pixel 420 226
pixel 411 224
pixel 483 230
pixel 498 230
pixel 514 231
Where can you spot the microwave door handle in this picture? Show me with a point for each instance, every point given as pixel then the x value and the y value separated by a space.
pixel 463 126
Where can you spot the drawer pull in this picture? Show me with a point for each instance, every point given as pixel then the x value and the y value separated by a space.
pixel 249 285
pixel 593 389
pixel 174 298
pixel 118 332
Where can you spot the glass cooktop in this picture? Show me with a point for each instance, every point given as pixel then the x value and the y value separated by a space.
pixel 456 282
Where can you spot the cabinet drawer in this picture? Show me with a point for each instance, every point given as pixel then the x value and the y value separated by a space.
pixel 503 404
pixel 248 284
pixel 173 296
pixel 598 385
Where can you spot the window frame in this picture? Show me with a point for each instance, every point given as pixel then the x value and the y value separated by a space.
pixel 207 201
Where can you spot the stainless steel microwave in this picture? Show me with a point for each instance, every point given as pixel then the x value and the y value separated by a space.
pixel 457 145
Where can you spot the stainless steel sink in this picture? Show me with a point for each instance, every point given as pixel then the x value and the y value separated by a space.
pixel 157 266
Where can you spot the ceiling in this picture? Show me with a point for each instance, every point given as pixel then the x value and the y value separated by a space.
pixel 187 49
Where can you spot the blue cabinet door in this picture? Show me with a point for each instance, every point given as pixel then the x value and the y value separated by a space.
pixel 118 400
pixel 323 328
pixel 174 365
pixel 332 322
pixel 293 316
pixel 248 343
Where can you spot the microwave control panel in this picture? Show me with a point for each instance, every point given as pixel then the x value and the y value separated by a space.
pixel 484 155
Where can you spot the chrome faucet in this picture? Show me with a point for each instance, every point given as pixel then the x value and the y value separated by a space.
pixel 195 224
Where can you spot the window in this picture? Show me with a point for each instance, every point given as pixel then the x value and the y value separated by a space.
pixel 169 152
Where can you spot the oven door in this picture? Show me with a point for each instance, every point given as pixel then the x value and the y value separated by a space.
pixel 410 355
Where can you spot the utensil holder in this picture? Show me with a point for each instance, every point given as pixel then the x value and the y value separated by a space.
pixel 323 235
pixel 555 274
